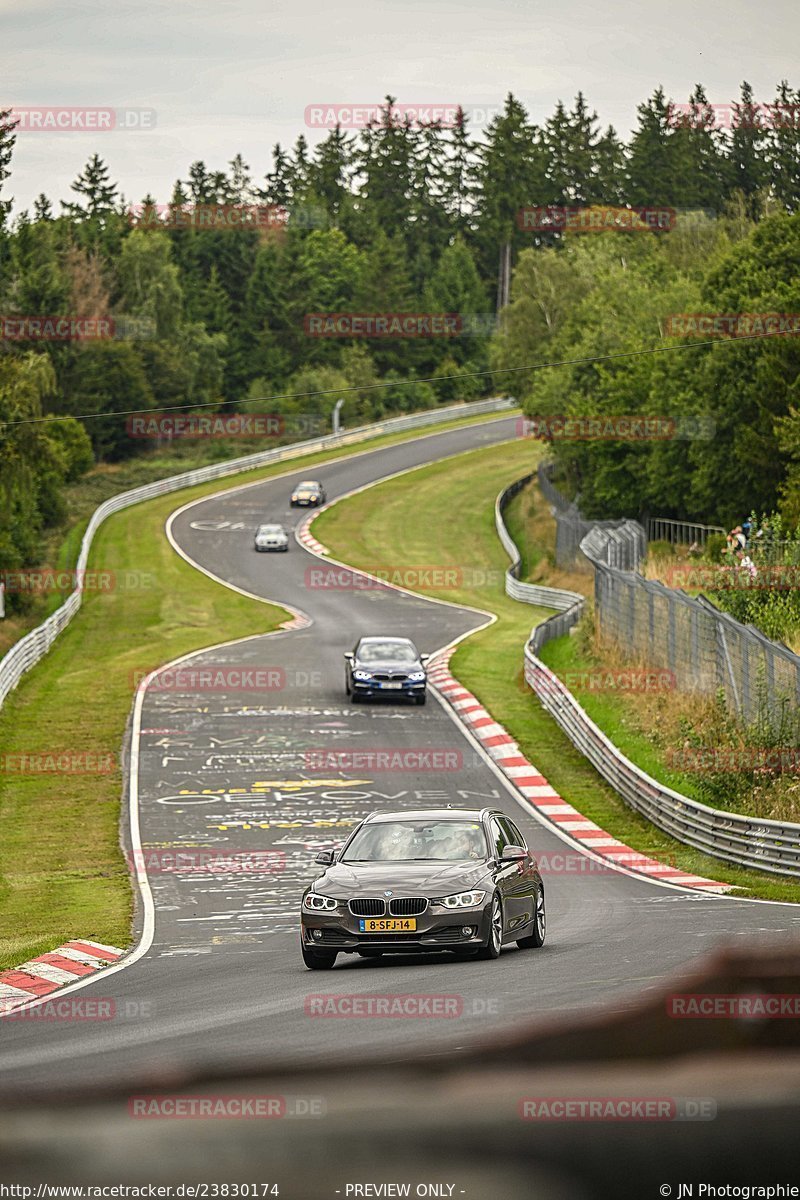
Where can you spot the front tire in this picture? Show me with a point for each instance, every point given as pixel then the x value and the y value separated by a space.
pixel 494 942
pixel 535 939
pixel 317 960
pixel 420 699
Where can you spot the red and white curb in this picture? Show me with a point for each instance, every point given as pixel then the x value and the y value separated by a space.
pixel 298 621
pixel 306 538
pixel 52 971
pixel 507 755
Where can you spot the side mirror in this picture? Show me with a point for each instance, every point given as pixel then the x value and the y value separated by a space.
pixel 325 858
pixel 513 854
pixel 423 658
pixel 349 655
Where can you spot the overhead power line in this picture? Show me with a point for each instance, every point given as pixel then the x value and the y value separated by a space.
pixel 371 387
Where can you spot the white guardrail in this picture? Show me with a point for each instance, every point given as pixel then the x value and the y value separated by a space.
pixel 28 651
pixel 747 841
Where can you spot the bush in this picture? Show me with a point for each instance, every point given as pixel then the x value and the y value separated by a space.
pixel 661 549
pixel 715 547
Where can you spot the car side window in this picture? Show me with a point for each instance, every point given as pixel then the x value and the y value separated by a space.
pixel 515 838
pixel 497 837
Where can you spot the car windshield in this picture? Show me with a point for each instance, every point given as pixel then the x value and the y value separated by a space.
pixel 372 652
pixel 270 529
pixel 417 841
pixel 309 483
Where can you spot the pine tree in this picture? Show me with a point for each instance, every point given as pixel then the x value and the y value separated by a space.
pixel 784 146
pixel 7 139
pixel 747 170
pixel 611 168
pixel 458 175
pixel 272 331
pixel 330 172
pixel 239 184
pixel 42 208
pixel 571 143
pixel 698 156
pixel 652 165
pixel 300 169
pixel 278 190
pixel 203 184
pixel 384 156
pixel 98 194
pixel 214 306
pixel 429 228
pixel 455 287
pixel 512 175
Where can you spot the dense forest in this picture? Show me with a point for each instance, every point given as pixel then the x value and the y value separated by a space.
pixel 405 218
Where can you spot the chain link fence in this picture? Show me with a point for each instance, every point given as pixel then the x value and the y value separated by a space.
pixel 627 602
pixel 705 648
pixel 624 547
pixel 680 533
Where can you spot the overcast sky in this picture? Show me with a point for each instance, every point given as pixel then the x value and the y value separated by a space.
pixel 237 75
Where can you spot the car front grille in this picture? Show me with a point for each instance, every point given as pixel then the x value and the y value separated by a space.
pixel 391 677
pixel 408 906
pixel 368 906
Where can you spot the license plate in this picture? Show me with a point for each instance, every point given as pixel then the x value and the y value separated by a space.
pixel 392 686
pixel 387 925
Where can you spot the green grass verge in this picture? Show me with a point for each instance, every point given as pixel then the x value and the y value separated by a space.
pixel 62 874
pixel 444 514
pixel 61 545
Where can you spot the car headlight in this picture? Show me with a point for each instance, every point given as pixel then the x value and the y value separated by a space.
pixel 463 900
pixel 416 676
pixel 362 675
pixel 314 902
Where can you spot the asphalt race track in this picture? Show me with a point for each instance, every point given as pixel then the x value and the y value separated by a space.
pixel 222 983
